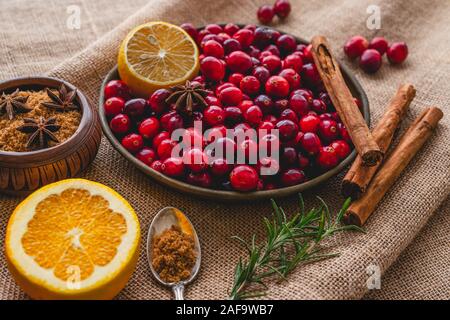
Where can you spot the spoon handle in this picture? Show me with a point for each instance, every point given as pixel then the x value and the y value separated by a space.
pixel 178 290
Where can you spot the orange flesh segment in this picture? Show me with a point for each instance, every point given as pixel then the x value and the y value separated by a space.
pixel 73 229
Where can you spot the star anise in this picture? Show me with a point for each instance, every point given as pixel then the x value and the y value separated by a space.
pixel 13 103
pixel 63 101
pixel 41 131
pixel 185 96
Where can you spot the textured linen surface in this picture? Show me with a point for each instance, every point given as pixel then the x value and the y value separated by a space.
pixel 41 42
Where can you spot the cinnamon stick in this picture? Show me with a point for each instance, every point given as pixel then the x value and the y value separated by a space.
pixel 359 176
pixel 344 103
pixel 411 142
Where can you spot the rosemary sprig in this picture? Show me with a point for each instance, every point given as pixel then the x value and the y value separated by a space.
pixel 288 244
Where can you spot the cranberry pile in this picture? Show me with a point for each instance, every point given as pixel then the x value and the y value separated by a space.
pixel 370 53
pixel 257 79
pixel 266 13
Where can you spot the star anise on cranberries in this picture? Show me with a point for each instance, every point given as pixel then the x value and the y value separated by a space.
pixel 63 101
pixel 41 131
pixel 186 96
pixel 12 104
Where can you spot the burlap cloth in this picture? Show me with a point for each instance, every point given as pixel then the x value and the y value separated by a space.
pixel 34 38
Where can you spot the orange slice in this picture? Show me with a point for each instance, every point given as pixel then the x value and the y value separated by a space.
pixel 157 55
pixel 73 239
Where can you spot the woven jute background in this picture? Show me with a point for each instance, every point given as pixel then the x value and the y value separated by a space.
pixel 41 42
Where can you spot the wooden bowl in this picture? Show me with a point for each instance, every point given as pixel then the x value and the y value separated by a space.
pixel 23 172
pixel 220 195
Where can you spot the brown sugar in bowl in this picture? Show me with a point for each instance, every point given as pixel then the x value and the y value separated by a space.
pixel 23 172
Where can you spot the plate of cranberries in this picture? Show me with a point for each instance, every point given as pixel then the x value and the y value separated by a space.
pixel 252 79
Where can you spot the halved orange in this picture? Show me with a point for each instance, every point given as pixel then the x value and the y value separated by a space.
pixel 157 55
pixel 73 239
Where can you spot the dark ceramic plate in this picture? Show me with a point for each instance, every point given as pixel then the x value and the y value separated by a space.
pixel 220 195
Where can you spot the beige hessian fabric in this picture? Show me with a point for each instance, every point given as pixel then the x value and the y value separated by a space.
pixel 38 42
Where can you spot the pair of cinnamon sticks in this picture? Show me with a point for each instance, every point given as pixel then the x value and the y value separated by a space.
pixel 369 179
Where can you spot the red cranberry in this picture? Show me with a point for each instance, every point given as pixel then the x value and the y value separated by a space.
pixel 370 61
pixel 342 148
pixel 261 73
pixel 171 121
pixel 164 149
pixel 250 27
pixel 310 143
pixel 192 138
pixel 214 28
pixel 231 29
pixel 292 177
pixel 287 129
pixel 281 104
pixel 255 62
pixel 288 156
pixel 245 104
pixel 213 48
pixel 299 104
pixel 223 86
pixel 120 124
pixel 277 86
pixel 289 114
pixel 200 79
pixel 311 75
pixel 318 106
pixel 245 37
pixel 380 44
pixel 220 167
pixel 156 165
pixel 272 63
pixel 248 149
pixel 212 100
pixel 250 85
pixel 163 135
pixel 212 68
pixel 293 61
pixel 215 133
pixel 113 106
pixel 202 33
pixel 202 179
pixel 307 54
pixel 173 167
pixel 309 123
pixel 327 158
pixel 268 126
pixel 344 133
pixel 190 29
pixel 326 116
pixel 265 14
pixel 233 114
pixel 231 96
pixel 214 116
pixel 325 97
pixel 236 78
pixel 146 155
pixel 225 145
pixel 397 52
pixel 133 142
pixel 117 88
pixel 231 45
pixel 239 61
pixel 307 94
pixel 273 49
pixel 328 130
pixel 195 160
pixel 265 103
pixel 292 77
pixel 135 107
pixel 270 118
pixel 157 101
pixel 303 162
pixel 286 43
pixel 253 116
pixel 149 128
pixel 241 128
pixel 263 37
pixel 282 8
pixel 355 46
pixel 244 178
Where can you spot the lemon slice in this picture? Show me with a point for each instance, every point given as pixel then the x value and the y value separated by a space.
pixel 73 239
pixel 157 55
